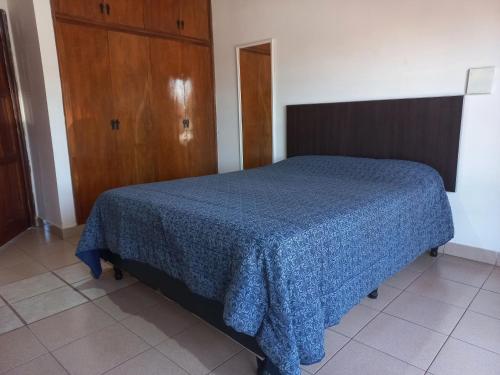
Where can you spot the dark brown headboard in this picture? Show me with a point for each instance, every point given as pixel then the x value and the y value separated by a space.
pixel 426 130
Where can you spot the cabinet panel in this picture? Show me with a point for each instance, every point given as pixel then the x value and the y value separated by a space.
pixel 126 12
pixel 131 82
pixel 163 15
pixel 84 62
pixel 195 18
pixel 167 109
pixel 199 110
pixel 88 9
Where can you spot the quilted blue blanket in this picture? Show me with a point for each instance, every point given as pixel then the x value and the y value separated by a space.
pixel 288 249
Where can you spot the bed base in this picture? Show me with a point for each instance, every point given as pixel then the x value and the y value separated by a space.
pixel 434 252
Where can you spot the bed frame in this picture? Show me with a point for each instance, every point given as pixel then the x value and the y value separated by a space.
pixel 424 130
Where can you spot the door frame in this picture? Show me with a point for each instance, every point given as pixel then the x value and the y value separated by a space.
pixel 14 94
pixel 272 41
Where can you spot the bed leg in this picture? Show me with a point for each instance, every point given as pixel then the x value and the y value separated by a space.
pixel 118 273
pixel 266 367
pixel 374 294
pixel 434 252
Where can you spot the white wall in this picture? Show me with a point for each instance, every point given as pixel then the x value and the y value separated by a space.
pixel 336 50
pixel 40 91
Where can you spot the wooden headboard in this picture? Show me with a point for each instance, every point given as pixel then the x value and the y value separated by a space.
pixel 426 130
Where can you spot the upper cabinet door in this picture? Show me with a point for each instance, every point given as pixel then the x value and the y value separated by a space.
pixel 163 16
pixel 89 9
pixel 195 18
pixel 125 12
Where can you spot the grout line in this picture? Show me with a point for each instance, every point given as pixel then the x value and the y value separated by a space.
pixel 70 285
pixel 7 303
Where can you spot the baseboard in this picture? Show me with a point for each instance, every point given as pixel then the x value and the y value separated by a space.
pixel 472 253
pixel 63 233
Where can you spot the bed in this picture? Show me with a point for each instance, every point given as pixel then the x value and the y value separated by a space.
pixel 274 255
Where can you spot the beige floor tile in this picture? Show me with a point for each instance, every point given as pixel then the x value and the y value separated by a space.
pixel 151 362
pixel 460 270
pixel 487 303
pixel 70 325
pixel 403 279
pixel 129 301
pixel 77 272
pixel 244 363
pixel 333 343
pixel 47 304
pixel 96 288
pixel 18 347
pixel 33 237
pixel 30 287
pixel 157 323
pixel 386 295
pixel 493 282
pixel 422 263
pixel 54 255
pixel 479 330
pixel 100 351
pixel 2 302
pixel 44 365
pixel 460 358
pixel 443 290
pixel 430 313
pixel 359 359
pixel 21 271
pixel 11 255
pixel 355 320
pixel 406 341
pixel 200 349
pixel 8 320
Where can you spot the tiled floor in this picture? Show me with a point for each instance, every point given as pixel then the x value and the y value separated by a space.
pixel 439 317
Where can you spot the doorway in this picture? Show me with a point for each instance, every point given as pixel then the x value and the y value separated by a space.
pixel 16 207
pixel 255 86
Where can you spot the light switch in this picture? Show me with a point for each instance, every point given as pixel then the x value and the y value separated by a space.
pixel 480 80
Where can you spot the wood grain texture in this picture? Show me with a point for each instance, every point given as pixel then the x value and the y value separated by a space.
pixel 16 202
pixel 425 130
pixel 85 9
pixel 194 18
pixel 256 105
pixel 126 12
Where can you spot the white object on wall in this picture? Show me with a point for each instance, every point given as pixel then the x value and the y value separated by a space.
pixel 480 80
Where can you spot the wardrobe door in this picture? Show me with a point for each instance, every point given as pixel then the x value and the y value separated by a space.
pixel 85 72
pixel 195 18
pixel 169 86
pixel 125 12
pixel 199 109
pixel 163 16
pixel 131 82
pixel 89 9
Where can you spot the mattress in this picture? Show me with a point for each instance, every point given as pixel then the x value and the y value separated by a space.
pixel 287 249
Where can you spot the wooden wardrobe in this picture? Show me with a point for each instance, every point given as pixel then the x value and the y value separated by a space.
pixel 137 78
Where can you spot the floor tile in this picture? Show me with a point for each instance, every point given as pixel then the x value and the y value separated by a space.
pixel 157 323
pixel 355 320
pixel 30 287
pixel 10 255
pixel 487 303
pixel 18 347
pixel 460 270
pixel 480 330
pixel 423 263
pixel 21 271
pixel 430 313
pixel 54 255
pixel 47 304
pixel 35 235
pixel 151 362
pixel 199 349
pixel 44 365
pixel 244 363
pixel 460 358
pixel 96 288
pixel 403 279
pixel 8 320
pixel 493 282
pixel 333 343
pixel 447 291
pixel 386 295
pixel 100 351
pixel 74 273
pixel 129 301
pixel 358 359
pixel 70 325
pixel 406 341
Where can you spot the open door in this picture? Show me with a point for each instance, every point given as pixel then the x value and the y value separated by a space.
pixel 16 207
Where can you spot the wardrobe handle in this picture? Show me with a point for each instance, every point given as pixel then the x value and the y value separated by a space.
pixel 113 125
pixel 117 124
pixel 182 24
pixel 178 24
pixel 102 6
pixel 108 9
pixel 185 123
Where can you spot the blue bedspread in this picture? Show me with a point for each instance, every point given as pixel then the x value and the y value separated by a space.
pixel 288 249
